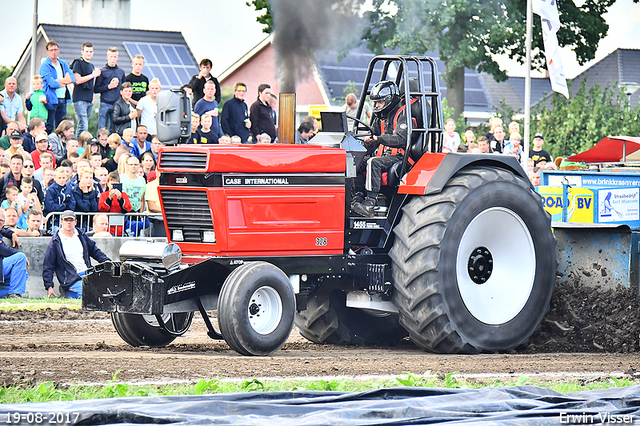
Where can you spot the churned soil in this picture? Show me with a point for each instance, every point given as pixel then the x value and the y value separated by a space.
pixel 587 333
pixel 587 319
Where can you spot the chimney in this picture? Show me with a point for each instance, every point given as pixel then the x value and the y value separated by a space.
pixel 97 13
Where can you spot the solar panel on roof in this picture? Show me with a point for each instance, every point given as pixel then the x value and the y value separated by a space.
pixel 170 63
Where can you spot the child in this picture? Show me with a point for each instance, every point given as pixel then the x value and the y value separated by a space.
pixel 12 199
pixel 451 138
pixel 86 197
pixel 114 140
pixel 58 198
pixel 36 102
pixel 207 135
pixel 195 123
pixel 114 201
pixel 127 137
pixel 28 200
pixel 105 150
pixel 469 137
pixel 96 160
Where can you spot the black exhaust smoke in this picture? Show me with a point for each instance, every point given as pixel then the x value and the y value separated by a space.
pixel 303 28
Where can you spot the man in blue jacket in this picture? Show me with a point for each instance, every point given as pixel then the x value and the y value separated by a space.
pixel 68 255
pixel 108 85
pixel 56 76
pixel 13 281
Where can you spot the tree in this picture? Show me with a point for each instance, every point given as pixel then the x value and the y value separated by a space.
pixel 4 73
pixel 571 126
pixel 264 19
pixel 470 33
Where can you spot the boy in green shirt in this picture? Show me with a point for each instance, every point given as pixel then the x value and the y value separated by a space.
pixel 36 101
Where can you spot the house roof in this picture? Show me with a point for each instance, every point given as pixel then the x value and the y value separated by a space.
pixel 344 74
pixel 167 54
pixel 481 93
pixel 620 66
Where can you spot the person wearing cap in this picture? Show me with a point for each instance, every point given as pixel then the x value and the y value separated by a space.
pixel 15 147
pixel 42 146
pixel 538 154
pixel 5 141
pixel 13 282
pixel 68 256
pixel 235 114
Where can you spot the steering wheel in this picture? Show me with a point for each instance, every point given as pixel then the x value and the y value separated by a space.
pixel 357 134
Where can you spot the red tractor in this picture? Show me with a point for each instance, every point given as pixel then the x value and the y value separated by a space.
pixel 460 255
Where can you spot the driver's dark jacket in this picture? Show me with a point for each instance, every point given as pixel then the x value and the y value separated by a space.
pixel 395 128
pixel 56 261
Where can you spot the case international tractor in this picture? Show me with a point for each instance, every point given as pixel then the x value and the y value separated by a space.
pixel 461 256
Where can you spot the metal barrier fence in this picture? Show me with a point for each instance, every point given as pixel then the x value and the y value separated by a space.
pixel 120 224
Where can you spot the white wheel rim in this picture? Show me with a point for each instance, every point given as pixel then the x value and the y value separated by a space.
pixel 265 310
pixel 507 289
pixel 153 321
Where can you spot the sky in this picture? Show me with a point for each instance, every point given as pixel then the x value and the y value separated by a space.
pixel 224 30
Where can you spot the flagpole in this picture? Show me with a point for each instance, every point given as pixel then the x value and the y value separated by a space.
pixel 527 89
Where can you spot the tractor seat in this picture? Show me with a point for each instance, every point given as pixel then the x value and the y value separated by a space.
pixel 392 177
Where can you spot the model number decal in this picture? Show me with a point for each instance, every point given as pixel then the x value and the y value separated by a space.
pixel 182 287
pixel 321 241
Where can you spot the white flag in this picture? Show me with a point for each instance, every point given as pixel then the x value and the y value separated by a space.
pixel 548 11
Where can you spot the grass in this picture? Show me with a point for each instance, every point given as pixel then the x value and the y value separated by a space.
pixel 50 391
pixel 38 304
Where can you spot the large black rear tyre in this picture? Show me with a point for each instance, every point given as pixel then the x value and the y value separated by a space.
pixel 474 266
pixel 256 309
pixel 146 330
pixel 327 319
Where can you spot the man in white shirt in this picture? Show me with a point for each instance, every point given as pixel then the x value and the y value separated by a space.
pixel 68 255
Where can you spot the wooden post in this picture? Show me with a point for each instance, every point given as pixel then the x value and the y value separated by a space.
pixel 287 118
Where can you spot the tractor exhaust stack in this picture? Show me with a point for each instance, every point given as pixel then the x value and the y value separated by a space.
pixel 287 118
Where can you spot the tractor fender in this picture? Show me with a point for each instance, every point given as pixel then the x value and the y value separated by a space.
pixel 431 173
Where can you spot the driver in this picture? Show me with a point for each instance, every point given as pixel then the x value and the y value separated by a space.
pixel 389 129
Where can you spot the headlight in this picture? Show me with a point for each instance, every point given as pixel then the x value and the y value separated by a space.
pixel 177 235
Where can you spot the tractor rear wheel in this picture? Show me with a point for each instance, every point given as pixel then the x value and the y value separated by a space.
pixel 151 330
pixel 327 319
pixel 256 308
pixel 474 266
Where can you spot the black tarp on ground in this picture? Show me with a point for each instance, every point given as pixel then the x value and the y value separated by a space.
pixel 523 405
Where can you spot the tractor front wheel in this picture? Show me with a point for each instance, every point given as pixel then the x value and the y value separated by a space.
pixel 256 309
pixel 474 266
pixel 151 330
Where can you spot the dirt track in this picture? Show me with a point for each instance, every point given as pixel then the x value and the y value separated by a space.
pixel 70 346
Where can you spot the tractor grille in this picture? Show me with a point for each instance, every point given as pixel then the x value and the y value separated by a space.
pixel 188 211
pixel 184 160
